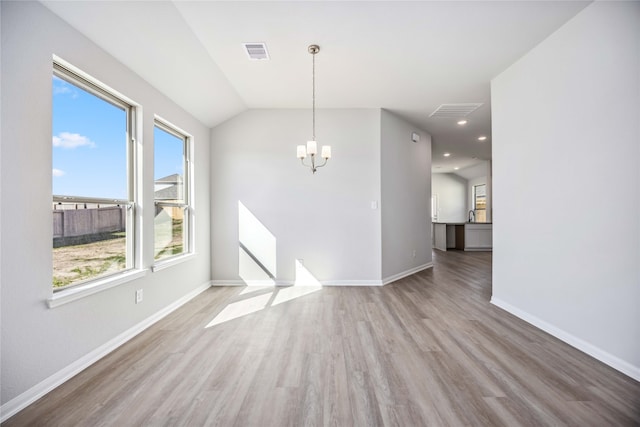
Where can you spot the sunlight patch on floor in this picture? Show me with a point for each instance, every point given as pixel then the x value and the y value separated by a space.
pixel 241 308
pixel 269 296
pixel 305 284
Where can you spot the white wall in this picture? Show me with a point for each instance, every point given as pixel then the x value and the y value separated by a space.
pixel 325 219
pixel 452 196
pixel 566 179
pixel 38 342
pixel 406 197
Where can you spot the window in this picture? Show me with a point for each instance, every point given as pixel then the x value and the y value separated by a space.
pixel 480 202
pixel 92 182
pixel 173 214
pixel 434 208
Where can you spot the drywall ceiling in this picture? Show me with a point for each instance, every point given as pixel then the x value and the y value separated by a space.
pixel 407 57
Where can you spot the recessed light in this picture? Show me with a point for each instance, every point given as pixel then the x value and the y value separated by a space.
pixel 482 138
pixel 456 168
pixel 462 122
pixel 447 154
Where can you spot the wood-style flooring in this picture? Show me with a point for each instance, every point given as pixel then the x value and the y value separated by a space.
pixel 427 350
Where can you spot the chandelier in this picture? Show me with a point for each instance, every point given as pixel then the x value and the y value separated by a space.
pixel 311 149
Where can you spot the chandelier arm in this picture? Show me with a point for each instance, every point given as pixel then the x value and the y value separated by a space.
pixel 312 166
pixel 325 162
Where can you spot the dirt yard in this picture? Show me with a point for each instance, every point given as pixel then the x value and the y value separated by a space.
pixel 72 264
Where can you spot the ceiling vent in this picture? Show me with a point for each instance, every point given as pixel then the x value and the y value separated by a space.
pixel 256 51
pixel 455 110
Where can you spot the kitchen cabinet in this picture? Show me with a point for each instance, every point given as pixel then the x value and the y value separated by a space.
pixel 469 236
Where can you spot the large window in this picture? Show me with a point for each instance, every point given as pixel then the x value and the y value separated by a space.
pixel 93 181
pixel 173 214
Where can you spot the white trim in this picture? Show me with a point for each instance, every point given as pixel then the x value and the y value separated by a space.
pixel 23 400
pixel 229 283
pixel 582 345
pixel 263 283
pixel 72 294
pixel 259 283
pixel 389 279
pixel 370 282
pixel 170 262
pixel 94 81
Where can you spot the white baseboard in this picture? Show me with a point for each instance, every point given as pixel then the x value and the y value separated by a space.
pixel 371 282
pixel 25 399
pixel 588 348
pixel 264 283
pixel 259 283
pixel 228 283
pixel 393 278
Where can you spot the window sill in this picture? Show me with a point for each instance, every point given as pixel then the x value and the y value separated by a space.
pixel 170 262
pixel 73 294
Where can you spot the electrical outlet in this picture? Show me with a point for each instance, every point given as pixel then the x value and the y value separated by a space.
pixel 414 253
pixel 138 296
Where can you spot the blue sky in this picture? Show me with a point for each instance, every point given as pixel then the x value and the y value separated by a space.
pixel 89 146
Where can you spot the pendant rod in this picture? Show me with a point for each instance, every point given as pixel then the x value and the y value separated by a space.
pixel 313 49
pixel 313 84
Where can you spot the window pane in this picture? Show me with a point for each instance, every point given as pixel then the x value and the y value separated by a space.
pixel 168 166
pixel 89 144
pixel 89 240
pixel 480 202
pixel 171 214
pixel 169 231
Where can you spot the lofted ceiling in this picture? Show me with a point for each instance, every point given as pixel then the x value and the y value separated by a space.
pixel 407 57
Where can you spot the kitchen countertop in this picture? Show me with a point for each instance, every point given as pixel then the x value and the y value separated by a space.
pixel 463 223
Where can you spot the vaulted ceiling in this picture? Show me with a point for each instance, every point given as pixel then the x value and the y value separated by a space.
pixel 407 57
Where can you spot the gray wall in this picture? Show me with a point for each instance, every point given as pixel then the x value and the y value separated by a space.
pixel 37 341
pixel 325 219
pixel 566 181
pixel 452 196
pixel 406 196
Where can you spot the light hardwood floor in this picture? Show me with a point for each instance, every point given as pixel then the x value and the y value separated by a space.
pixel 427 350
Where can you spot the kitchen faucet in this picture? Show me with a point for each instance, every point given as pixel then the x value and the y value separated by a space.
pixel 472 216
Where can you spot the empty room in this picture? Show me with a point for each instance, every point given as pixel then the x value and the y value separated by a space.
pixel 347 213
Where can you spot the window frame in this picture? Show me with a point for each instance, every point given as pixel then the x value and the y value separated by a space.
pixel 74 76
pixel 188 226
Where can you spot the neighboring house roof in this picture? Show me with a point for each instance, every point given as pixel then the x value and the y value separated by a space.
pixel 170 179
pixel 169 188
